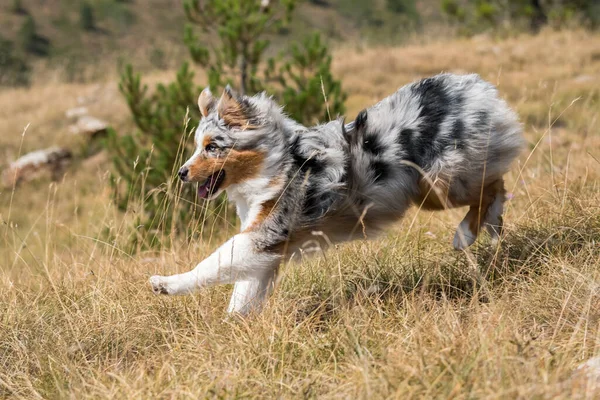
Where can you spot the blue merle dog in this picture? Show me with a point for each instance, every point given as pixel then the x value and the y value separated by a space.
pixel 442 142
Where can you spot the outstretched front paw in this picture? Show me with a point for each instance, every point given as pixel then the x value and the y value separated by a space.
pixel 158 285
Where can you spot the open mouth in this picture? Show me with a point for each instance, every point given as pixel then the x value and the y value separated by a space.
pixel 211 185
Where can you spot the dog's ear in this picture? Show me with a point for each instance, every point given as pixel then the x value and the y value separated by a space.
pixel 236 113
pixel 206 102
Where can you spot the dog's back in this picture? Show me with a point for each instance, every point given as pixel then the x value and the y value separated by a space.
pixel 435 142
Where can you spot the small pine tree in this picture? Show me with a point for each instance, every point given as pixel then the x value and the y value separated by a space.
pixel 306 78
pixel 86 16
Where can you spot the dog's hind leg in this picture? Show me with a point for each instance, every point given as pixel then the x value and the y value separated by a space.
pixel 467 230
pixel 493 217
pixel 487 209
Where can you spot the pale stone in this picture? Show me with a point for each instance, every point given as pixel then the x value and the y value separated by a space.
pixel 32 165
pixel 89 126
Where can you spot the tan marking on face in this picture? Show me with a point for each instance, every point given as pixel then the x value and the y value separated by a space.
pixel 239 166
pixel 206 141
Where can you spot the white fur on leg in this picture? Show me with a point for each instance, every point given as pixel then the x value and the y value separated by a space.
pixel 464 237
pixel 235 260
pixel 493 218
pixel 250 294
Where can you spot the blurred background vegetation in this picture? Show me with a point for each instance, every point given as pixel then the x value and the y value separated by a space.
pixel 75 35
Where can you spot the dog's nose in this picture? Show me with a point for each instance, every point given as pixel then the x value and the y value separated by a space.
pixel 183 172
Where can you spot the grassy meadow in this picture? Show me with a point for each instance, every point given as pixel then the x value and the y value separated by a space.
pixel 404 316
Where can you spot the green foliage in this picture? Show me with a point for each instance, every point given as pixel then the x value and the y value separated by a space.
pixel 361 13
pixel 305 77
pixel 14 70
pixel 87 19
pixel 385 22
pixel 479 15
pixel 28 34
pixel 241 27
pixel 486 11
pixel 299 78
pixel 119 15
pixel 294 78
pixel 31 42
pixel 455 11
pixel 406 7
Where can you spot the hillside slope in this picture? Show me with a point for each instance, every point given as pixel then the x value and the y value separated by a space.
pixel 404 316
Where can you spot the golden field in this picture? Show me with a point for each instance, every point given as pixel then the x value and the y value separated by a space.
pixel 404 316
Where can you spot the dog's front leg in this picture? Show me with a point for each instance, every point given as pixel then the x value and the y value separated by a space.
pixel 236 260
pixel 249 294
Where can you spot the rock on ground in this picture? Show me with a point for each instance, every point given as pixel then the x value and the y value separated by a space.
pixel 32 165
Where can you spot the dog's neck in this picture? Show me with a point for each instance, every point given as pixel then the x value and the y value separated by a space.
pixel 250 196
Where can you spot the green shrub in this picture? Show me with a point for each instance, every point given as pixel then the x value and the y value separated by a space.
pixel 305 78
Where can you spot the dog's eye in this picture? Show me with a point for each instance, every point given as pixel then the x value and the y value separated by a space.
pixel 210 147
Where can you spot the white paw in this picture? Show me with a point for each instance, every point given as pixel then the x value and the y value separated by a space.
pixel 463 238
pixel 158 285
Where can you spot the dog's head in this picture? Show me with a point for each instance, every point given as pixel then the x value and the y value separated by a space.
pixel 233 141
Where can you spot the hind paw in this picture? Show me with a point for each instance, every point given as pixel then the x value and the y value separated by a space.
pixel 463 237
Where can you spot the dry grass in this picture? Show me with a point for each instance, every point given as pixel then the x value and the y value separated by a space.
pixel 401 317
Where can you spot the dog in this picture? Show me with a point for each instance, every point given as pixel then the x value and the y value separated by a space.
pixel 441 142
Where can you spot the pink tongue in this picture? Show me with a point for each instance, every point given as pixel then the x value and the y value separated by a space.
pixel 203 190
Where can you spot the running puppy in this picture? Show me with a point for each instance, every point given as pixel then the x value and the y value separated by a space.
pixel 445 141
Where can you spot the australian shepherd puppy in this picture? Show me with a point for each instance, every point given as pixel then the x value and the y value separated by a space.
pixel 445 141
